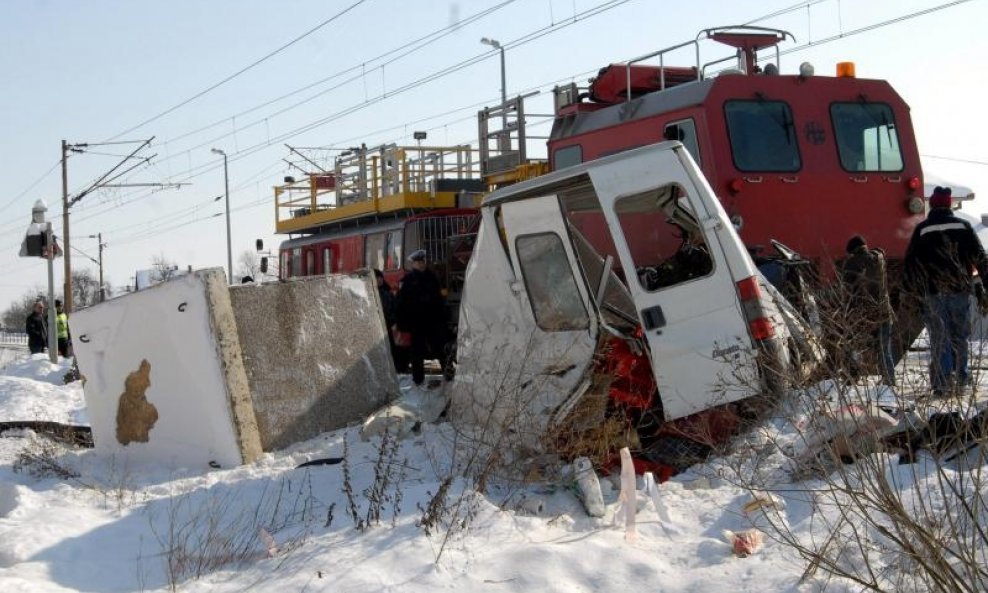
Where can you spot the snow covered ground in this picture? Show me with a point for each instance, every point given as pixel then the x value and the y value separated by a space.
pixel 93 524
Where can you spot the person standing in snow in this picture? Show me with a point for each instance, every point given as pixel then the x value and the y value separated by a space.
pixel 37 329
pixel 943 253
pixel 421 311
pixel 62 330
pixel 870 311
pixel 388 308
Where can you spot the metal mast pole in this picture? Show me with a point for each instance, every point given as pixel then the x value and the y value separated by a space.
pixel 66 252
pixel 229 247
pixel 102 291
pixel 52 333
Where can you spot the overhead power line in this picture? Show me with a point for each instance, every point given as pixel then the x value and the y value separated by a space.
pixel 241 71
pixel 202 169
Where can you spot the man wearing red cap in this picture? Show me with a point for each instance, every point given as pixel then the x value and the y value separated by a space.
pixel 943 253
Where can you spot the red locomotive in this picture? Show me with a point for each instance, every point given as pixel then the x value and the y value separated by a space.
pixel 803 159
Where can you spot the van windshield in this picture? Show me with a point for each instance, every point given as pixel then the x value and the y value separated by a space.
pixel 867 139
pixel 762 135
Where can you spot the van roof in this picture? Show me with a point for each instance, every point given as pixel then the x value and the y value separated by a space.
pixel 557 180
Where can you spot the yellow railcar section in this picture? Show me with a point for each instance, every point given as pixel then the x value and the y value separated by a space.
pixel 369 181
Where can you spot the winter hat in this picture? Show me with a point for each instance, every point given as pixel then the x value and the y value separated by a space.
pixel 418 255
pixel 941 198
pixel 855 242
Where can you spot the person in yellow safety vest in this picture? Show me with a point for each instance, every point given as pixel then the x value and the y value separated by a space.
pixel 62 330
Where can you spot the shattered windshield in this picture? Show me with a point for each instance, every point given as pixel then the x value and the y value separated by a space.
pixel 867 139
pixel 762 135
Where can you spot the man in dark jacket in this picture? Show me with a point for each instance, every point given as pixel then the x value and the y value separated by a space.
pixel 421 311
pixel 942 254
pixel 37 329
pixel 869 308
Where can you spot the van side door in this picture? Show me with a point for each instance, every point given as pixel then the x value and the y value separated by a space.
pixel 682 273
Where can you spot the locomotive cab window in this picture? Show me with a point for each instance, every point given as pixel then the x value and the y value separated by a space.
pixel 867 139
pixel 685 131
pixel 567 157
pixel 762 135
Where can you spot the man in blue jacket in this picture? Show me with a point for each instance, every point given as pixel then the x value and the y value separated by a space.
pixel 942 255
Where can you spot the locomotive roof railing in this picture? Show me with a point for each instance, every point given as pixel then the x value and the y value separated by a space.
pixel 746 38
pixel 366 182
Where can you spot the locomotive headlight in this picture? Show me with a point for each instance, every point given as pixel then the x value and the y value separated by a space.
pixel 806 70
pixel 915 205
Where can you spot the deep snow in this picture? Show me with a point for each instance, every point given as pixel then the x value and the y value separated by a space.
pixel 271 527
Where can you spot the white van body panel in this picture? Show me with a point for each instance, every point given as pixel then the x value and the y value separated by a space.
pixel 510 369
pixel 512 374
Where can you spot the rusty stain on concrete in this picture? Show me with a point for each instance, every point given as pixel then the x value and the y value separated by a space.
pixel 135 415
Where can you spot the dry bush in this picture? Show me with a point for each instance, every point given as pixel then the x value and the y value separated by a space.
pixel 43 458
pixel 201 531
pixel 384 491
pixel 857 511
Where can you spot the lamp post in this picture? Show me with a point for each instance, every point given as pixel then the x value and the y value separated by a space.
pixel 226 192
pixel 504 138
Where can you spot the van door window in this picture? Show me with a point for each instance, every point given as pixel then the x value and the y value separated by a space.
pixel 684 130
pixel 664 239
pixel 549 281
pixel 866 137
pixel 762 134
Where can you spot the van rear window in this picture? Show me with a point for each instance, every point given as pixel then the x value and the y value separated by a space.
pixel 762 134
pixel 867 139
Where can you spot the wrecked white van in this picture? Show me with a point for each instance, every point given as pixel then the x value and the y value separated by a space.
pixel 617 286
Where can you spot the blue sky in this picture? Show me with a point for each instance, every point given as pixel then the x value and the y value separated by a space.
pixel 90 71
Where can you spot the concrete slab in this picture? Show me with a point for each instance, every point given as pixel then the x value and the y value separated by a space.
pixel 165 382
pixel 316 354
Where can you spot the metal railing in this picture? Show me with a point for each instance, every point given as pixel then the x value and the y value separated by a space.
pixel 367 174
pixel 13 338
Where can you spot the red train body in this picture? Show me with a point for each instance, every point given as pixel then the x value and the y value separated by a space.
pixel 803 159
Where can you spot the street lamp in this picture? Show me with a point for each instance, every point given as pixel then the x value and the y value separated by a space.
pixel 504 138
pixel 504 85
pixel 226 185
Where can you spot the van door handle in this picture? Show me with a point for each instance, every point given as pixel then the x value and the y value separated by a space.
pixel 653 317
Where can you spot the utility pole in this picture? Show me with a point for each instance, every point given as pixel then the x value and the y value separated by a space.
pixel 102 290
pixel 67 294
pixel 105 180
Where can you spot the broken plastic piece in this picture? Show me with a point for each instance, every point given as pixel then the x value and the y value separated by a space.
pixel 589 486
pixel 744 543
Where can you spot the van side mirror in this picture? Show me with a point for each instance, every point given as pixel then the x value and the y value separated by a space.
pixel 259 244
pixel 264 264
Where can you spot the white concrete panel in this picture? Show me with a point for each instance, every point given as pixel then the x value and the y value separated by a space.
pixel 168 326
